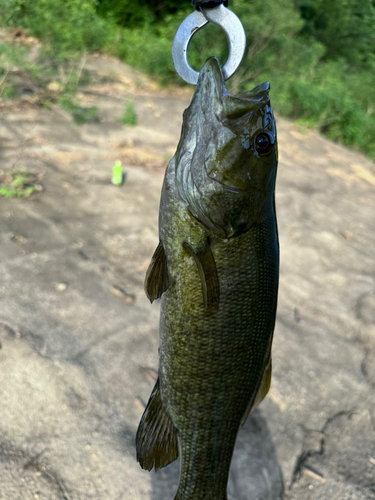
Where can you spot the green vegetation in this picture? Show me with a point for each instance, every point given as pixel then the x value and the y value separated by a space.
pixel 319 56
pixel 43 80
pixel 80 115
pixel 8 92
pixel 12 62
pixel 129 117
pixel 68 26
pixel 18 184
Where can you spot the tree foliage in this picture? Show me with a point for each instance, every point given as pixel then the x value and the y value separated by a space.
pixel 344 27
pixel 130 13
pixel 319 55
pixel 69 26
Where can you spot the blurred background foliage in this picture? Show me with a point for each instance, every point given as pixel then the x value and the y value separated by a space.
pixel 319 55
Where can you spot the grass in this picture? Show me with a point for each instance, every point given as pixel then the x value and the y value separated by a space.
pixel 129 117
pixel 80 114
pixel 44 80
pixel 19 184
pixel 8 92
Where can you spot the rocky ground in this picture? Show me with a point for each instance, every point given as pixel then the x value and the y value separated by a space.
pixel 79 338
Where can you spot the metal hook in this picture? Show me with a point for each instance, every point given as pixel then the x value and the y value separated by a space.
pixel 227 21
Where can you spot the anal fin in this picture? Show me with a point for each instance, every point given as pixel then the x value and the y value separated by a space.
pixel 156 440
pixel 205 262
pixel 157 278
pixel 262 391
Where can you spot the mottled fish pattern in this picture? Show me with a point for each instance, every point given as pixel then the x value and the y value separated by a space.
pixel 216 270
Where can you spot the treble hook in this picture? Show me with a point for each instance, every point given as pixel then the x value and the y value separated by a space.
pixel 227 21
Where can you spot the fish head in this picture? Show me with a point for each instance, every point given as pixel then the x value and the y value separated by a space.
pixel 226 160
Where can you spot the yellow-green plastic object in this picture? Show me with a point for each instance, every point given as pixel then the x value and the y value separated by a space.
pixel 117 173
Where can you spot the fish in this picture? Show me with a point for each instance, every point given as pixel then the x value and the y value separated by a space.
pixel 216 270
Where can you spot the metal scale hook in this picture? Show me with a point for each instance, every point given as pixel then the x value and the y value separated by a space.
pixel 227 21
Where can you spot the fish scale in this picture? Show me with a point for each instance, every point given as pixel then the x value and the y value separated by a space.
pixel 218 282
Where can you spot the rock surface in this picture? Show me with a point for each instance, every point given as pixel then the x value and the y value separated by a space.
pixel 79 339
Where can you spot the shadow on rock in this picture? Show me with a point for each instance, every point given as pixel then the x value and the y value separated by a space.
pixel 255 472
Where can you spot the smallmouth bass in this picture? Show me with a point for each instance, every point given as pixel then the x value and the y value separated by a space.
pixel 216 270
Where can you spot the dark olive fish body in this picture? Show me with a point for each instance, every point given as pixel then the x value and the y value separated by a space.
pixel 216 268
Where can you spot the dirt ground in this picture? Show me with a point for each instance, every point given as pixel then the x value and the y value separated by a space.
pixel 79 338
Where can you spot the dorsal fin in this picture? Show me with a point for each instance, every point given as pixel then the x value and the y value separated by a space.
pixel 205 262
pixel 157 278
pixel 156 441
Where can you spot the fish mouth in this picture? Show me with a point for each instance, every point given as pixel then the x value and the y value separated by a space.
pixel 216 105
pixel 214 94
pixel 212 162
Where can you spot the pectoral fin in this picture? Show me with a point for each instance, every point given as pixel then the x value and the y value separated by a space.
pixel 157 278
pixel 205 262
pixel 262 391
pixel 156 440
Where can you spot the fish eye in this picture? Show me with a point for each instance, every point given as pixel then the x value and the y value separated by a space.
pixel 262 143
